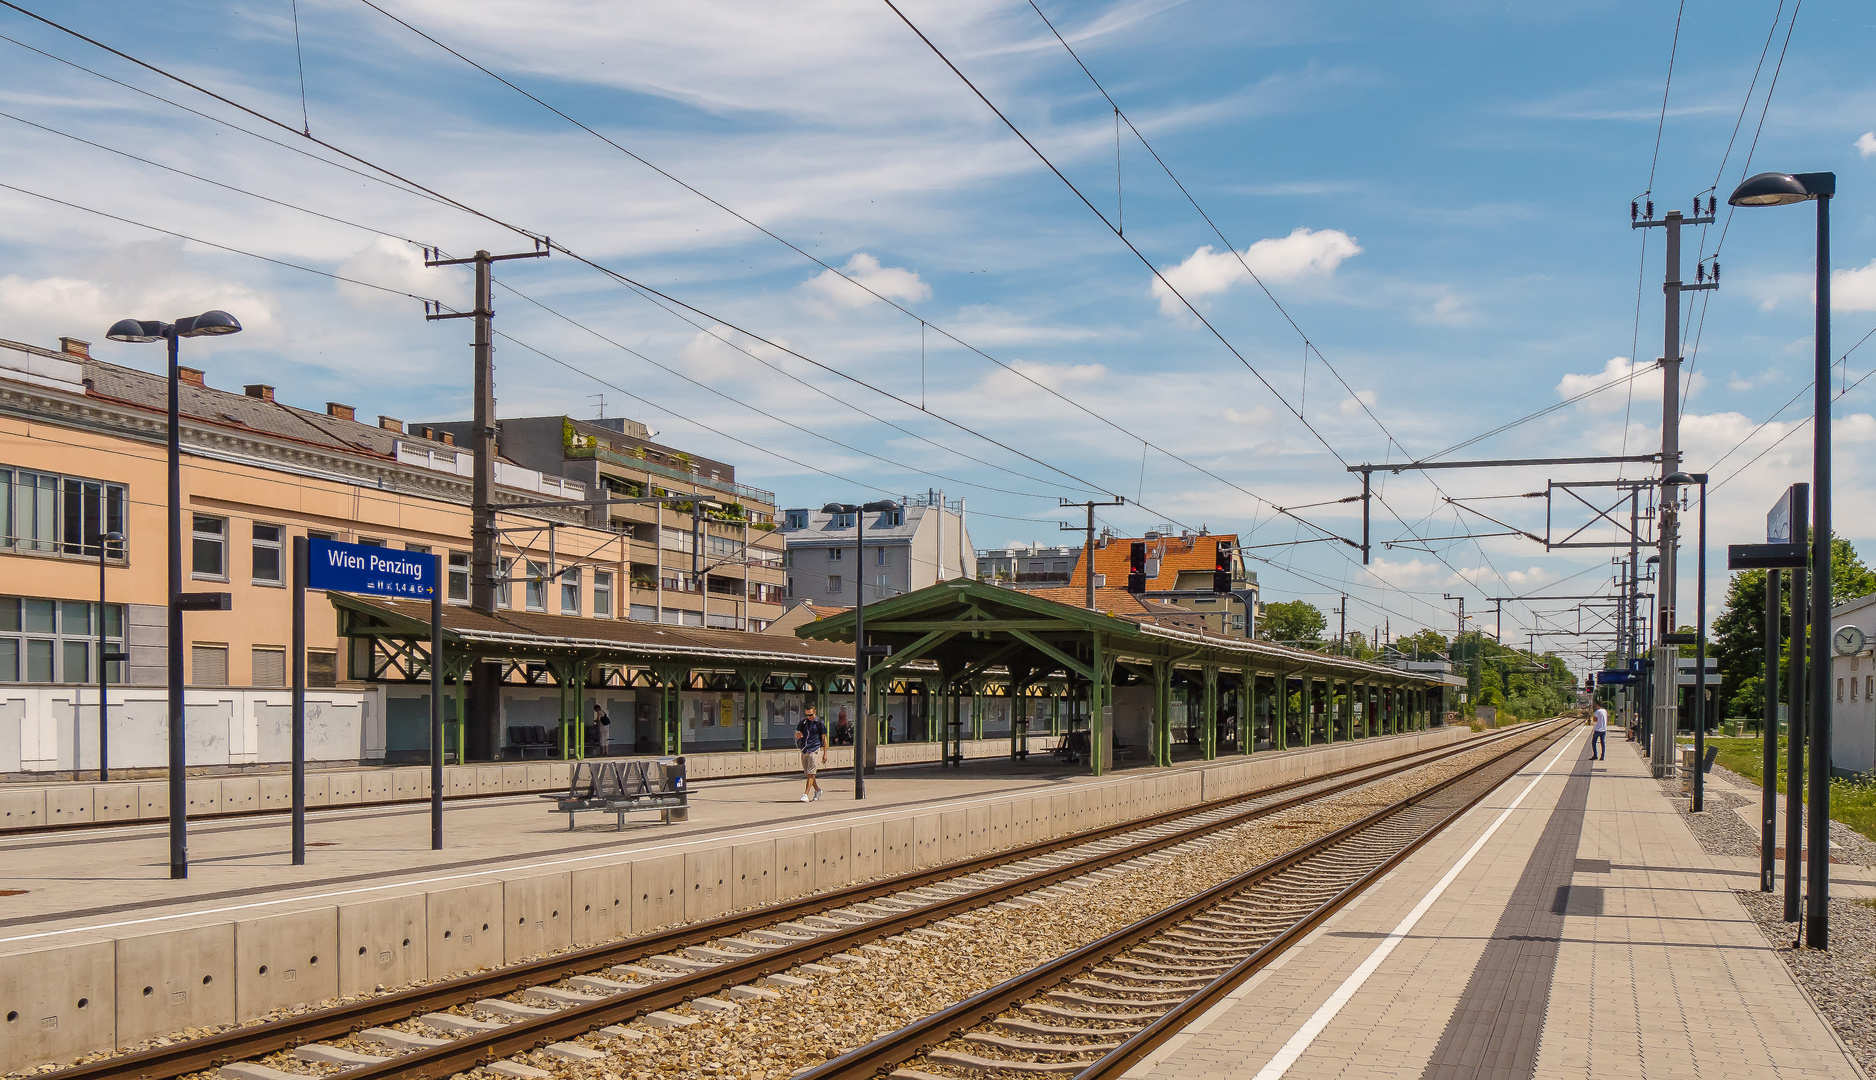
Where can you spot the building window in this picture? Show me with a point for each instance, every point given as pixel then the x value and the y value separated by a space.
pixel 891 519
pixel 833 584
pixel 570 591
pixel 725 546
pixel 841 521
pixel 270 666
pixel 58 515
pixel 1839 689
pixel 419 549
pixel 315 534
pixel 267 553
pixel 208 665
pixel 1869 686
pixel 536 595
pixel 882 585
pixel 459 576
pixel 795 519
pixel 322 667
pixel 836 554
pixel 883 558
pixel 501 584
pixel 791 584
pixel 370 541
pixel 602 594
pixel 1100 581
pixel 210 551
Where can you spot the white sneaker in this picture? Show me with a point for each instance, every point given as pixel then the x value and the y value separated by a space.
pixel 804 797
pixel 817 795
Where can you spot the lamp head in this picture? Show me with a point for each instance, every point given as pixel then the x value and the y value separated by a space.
pixel 880 506
pixel 1779 189
pixel 840 508
pixel 1679 479
pixel 208 324
pixel 114 538
pixel 137 330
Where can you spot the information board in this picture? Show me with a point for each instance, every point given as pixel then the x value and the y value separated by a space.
pixel 360 568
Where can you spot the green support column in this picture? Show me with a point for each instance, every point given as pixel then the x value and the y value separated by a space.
pixel 1162 713
pixel 752 710
pixel 1100 692
pixel 1055 709
pixel 1247 720
pixel 1282 730
pixel 1208 716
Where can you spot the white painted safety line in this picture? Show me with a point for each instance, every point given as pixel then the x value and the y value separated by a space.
pixel 1300 1042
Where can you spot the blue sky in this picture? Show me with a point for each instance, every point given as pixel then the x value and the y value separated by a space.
pixel 1436 193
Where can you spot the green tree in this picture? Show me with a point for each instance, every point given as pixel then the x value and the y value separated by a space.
pixel 1739 631
pixel 1428 644
pixel 1849 578
pixel 1293 620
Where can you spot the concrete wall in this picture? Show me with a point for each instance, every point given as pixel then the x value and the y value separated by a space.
pixel 55 728
pixel 74 998
pixel 32 806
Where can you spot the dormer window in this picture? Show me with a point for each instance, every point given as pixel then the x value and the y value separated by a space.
pixel 890 519
pixel 796 519
pixel 841 521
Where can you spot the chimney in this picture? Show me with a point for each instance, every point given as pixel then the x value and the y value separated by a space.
pixel 343 412
pixel 192 376
pixel 260 390
pixel 391 423
pixel 71 346
pixel 448 439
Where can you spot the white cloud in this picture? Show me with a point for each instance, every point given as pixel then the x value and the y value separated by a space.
pixel 1854 289
pixel 1352 406
pixel 888 281
pixel 393 264
pixel 1447 310
pixel 1866 142
pixel 1305 253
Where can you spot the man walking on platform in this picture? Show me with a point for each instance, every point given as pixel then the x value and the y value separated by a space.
pixel 1599 736
pixel 811 736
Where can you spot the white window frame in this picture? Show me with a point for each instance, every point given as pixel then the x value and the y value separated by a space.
pixel 198 536
pixel 277 546
pixel 570 592
pixel 602 594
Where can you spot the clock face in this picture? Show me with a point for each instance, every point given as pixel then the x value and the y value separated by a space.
pixel 1848 641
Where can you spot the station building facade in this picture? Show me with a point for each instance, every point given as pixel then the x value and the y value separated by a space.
pixel 82 454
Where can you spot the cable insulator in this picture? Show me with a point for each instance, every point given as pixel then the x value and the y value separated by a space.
pixel 1713 205
pixel 1650 215
pixel 1700 269
pixel 1634 210
pixel 1716 271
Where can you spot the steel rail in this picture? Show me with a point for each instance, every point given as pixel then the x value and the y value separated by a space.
pixel 466 1052
pixel 916 1038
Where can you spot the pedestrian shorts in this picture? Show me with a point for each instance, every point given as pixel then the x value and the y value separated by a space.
pixel 808 759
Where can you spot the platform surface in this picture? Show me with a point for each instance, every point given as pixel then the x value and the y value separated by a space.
pixel 1570 925
pixel 114 880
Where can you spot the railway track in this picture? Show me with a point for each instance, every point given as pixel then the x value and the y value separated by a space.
pixel 1097 1011
pixel 709 965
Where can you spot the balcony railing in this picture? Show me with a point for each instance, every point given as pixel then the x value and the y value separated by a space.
pixel 627 461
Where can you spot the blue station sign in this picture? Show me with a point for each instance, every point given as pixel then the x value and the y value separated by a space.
pixel 357 568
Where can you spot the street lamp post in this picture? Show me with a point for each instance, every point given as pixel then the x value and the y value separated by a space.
pixel 1779 189
pixel 862 724
pixel 207 324
pixel 105 656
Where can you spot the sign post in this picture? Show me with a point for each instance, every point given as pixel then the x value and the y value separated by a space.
pixel 332 566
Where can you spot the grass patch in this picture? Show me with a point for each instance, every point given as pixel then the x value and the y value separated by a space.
pixel 1852 802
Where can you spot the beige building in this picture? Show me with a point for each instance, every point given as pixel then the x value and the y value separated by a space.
pixel 722 568
pixel 82 453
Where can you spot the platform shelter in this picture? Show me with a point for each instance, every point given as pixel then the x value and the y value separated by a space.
pixel 1121 681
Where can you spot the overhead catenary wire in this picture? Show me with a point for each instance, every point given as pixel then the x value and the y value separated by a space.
pixel 405 183
pixel 805 254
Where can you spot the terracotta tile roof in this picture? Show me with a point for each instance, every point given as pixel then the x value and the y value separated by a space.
pixel 1123 604
pixel 1192 554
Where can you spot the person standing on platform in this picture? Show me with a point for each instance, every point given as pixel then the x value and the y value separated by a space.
pixel 811 736
pixel 1599 735
pixel 605 730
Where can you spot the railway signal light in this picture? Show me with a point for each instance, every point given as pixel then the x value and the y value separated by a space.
pixel 1136 567
pixel 1221 568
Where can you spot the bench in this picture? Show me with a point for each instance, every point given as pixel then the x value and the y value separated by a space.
pixel 525 738
pixel 624 787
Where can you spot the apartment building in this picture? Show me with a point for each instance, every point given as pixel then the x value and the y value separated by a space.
pixel 82 454
pixel 1029 567
pixel 1180 569
pixel 708 556
pixel 922 543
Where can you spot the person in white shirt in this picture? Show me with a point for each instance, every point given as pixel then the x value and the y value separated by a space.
pixel 1599 736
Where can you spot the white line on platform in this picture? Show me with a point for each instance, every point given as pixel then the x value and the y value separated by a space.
pixel 1300 1042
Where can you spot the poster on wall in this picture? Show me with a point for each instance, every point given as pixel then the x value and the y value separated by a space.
pixel 726 710
pixel 783 711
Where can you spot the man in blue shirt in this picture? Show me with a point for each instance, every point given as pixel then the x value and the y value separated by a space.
pixel 811 736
